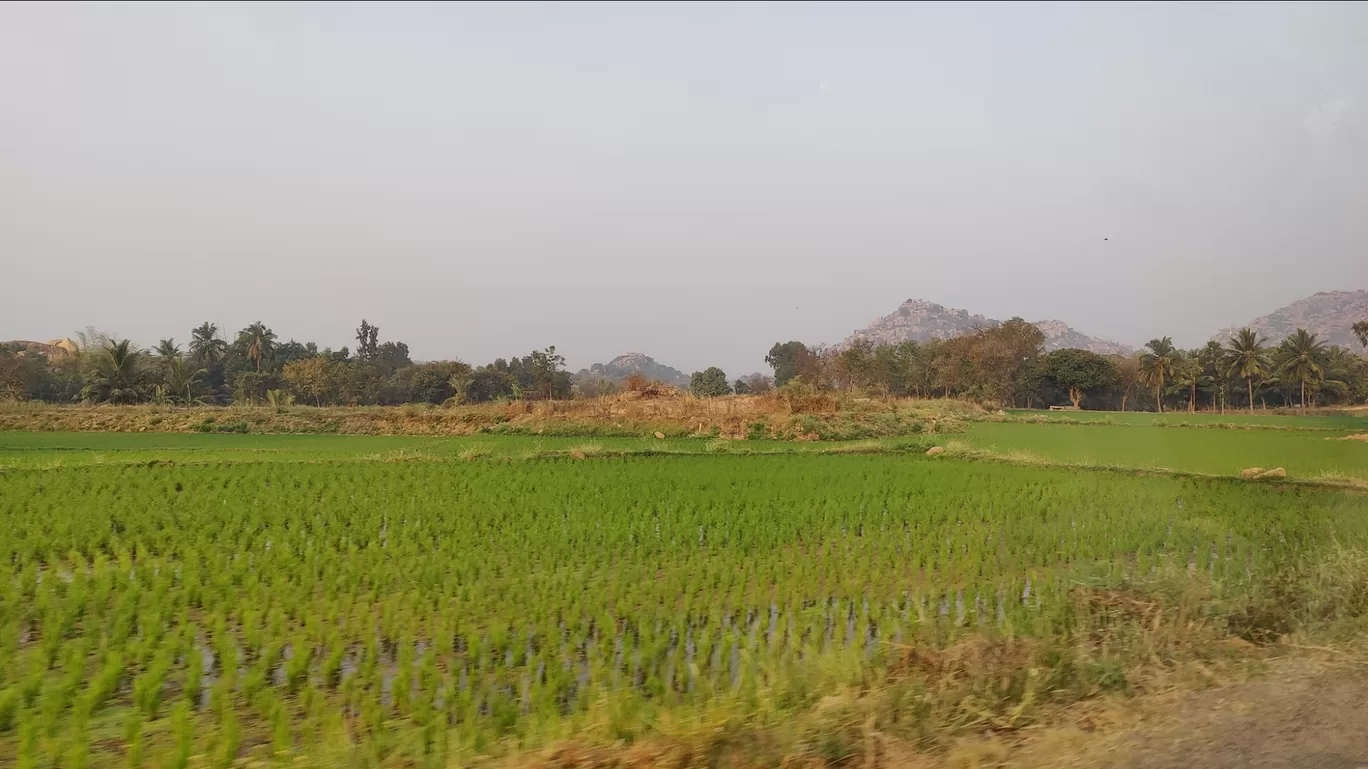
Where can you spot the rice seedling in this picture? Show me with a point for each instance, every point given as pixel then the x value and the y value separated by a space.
pixel 428 611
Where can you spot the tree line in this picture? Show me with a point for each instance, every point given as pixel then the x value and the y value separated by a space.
pixel 1007 365
pixel 255 367
pixel 1004 364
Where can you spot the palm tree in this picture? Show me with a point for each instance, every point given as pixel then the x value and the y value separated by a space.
pixel 1189 375
pixel 181 377
pixel 260 342
pixel 1212 359
pixel 1248 359
pixel 114 375
pixel 1157 363
pixel 168 349
pixel 1302 358
pixel 206 348
pixel 1341 368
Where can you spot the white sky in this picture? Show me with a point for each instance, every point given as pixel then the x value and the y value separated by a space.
pixel 695 182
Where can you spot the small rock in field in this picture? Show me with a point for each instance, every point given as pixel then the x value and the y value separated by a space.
pixel 934 450
pixel 1276 472
pixel 1251 472
pixel 661 436
pixel 577 454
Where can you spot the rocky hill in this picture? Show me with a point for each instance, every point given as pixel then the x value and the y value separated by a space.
pixel 623 366
pixel 56 347
pixel 921 321
pixel 1329 315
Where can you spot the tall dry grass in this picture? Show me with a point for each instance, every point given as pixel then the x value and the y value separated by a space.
pixel 791 413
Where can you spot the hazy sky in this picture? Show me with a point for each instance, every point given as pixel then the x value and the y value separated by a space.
pixel 694 182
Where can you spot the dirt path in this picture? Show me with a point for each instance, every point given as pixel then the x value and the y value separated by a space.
pixel 1318 720
pixel 1304 714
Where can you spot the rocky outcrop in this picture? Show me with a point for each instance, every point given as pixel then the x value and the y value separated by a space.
pixel 623 366
pixel 1330 315
pixel 54 348
pixel 922 321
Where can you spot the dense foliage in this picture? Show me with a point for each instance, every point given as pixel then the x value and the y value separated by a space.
pixel 1006 364
pixel 214 371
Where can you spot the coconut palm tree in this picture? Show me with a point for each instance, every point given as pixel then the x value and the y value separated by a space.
pixel 1248 359
pixel 260 342
pixel 1212 358
pixel 1189 375
pixel 1156 364
pixel 181 378
pixel 168 349
pixel 114 374
pixel 1301 358
pixel 206 347
pixel 1341 368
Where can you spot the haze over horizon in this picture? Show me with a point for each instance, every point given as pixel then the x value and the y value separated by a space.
pixel 693 182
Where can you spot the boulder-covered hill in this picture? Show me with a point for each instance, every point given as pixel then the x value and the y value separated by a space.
pixel 623 366
pixel 921 321
pixel 1330 315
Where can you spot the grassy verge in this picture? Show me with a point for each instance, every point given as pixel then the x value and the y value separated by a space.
pixel 764 417
pixel 1129 641
pixel 1283 419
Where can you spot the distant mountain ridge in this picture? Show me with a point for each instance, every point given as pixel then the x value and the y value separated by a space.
pixel 922 321
pixel 623 366
pixel 1330 315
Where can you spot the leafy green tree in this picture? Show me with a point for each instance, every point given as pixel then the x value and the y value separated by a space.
pixel 786 360
pixel 391 356
pixel 314 378
pixel 1301 358
pixel 1361 331
pixel 291 351
pixel 997 357
pixel 1248 359
pixel 1127 376
pixel 114 375
pixel 1156 365
pixel 546 366
pixel 708 383
pixel 490 384
pixel 1079 372
pixel 856 366
pixel 367 341
pixel 251 386
pixel 434 383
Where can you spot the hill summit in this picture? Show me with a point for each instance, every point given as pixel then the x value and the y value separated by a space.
pixel 623 366
pixel 1329 315
pixel 921 321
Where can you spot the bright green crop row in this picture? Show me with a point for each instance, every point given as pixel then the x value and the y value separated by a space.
pixel 1306 455
pixel 1344 420
pixel 417 609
